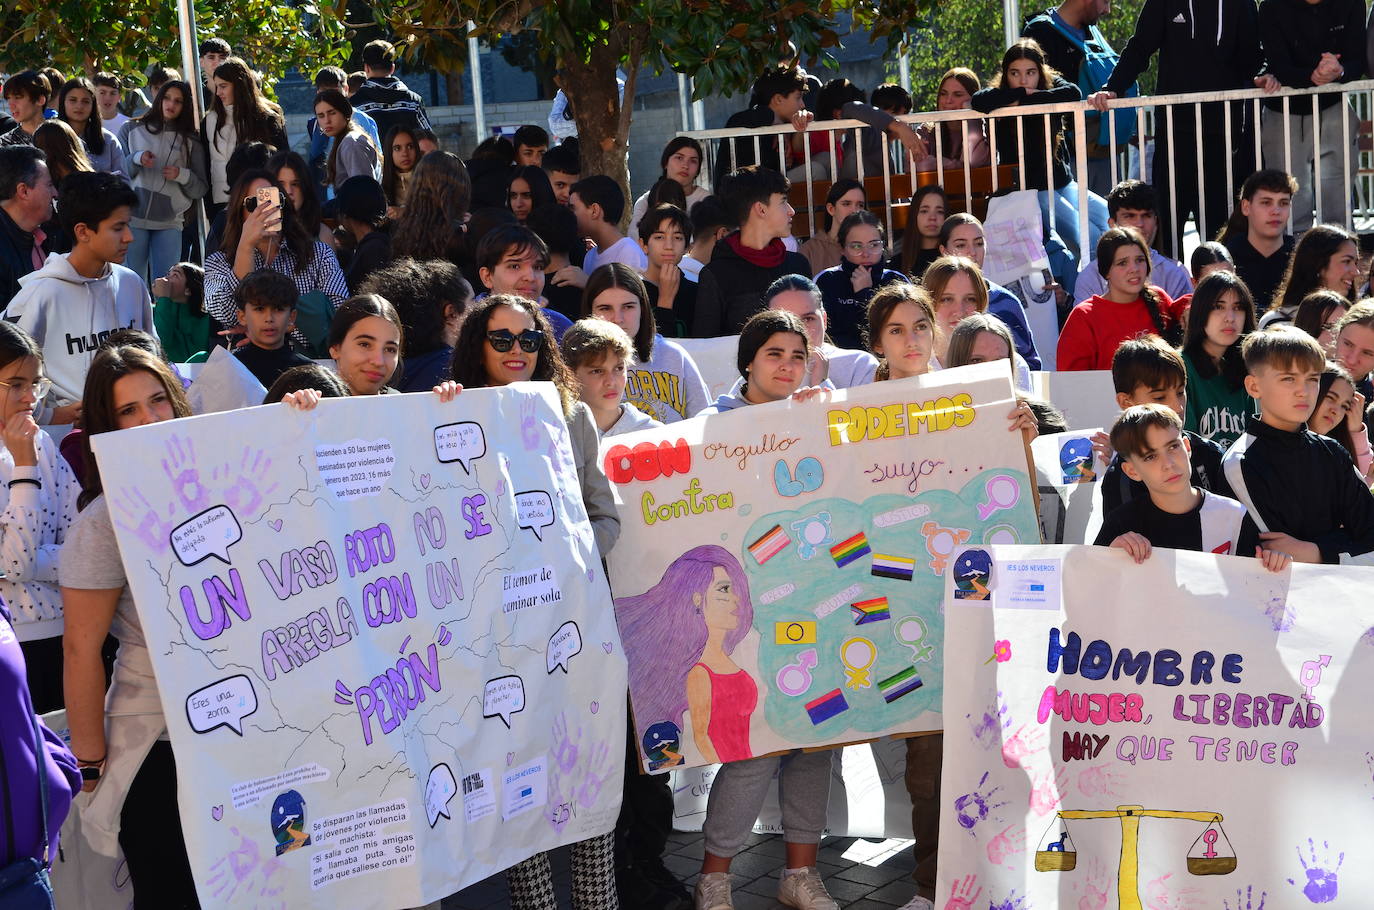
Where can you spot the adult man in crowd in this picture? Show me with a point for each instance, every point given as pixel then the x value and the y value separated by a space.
pixel 26 195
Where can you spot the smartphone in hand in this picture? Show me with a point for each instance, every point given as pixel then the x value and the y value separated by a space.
pixel 271 195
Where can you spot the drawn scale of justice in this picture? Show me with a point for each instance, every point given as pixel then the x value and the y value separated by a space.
pixel 1203 858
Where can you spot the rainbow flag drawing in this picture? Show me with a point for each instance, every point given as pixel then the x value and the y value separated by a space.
pixel 899 684
pixel 827 706
pixel 898 567
pixel 846 551
pixel 770 544
pixel 866 611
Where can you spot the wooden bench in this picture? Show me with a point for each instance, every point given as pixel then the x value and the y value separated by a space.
pixel 958 195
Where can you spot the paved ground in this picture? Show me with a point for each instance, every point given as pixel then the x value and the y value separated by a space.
pixel 877 876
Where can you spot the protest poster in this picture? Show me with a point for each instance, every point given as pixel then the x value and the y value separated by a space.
pixel 382 638
pixel 1069 474
pixel 1191 732
pixel 779 572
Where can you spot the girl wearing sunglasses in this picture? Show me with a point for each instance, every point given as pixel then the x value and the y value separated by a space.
pixel 38 494
pixel 507 339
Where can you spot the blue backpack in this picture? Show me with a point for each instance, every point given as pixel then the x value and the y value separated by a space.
pixel 1098 62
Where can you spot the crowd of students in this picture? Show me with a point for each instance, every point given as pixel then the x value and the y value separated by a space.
pixel 1241 433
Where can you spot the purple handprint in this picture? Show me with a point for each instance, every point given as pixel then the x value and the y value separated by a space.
pixel 564 749
pixel 1321 885
pixel 244 867
pixel 1011 903
pixel 591 787
pixel 975 807
pixel 242 493
pixel 181 469
pixel 136 514
pixel 1248 895
pixel 988 730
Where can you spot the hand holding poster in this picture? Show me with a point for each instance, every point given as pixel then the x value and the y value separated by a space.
pixel 1188 732
pixel 386 656
pixel 780 567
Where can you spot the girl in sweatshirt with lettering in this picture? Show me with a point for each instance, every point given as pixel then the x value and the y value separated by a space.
pixel 664 382
pixel 39 502
pixel 1222 314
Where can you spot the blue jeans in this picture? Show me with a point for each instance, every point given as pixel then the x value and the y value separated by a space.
pixel 1062 244
pixel 156 249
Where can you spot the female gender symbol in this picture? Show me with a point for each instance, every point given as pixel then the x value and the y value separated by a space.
pixel 857 655
pixel 1002 492
pixel 1209 837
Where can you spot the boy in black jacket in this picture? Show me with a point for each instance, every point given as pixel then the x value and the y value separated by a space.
pixel 1147 371
pixel 777 98
pixel 266 304
pixel 1202 47
pixel 1175 514
pixel 746 262
pixel 1301 488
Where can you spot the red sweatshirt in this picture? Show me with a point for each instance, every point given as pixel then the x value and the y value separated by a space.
pixel 1097 326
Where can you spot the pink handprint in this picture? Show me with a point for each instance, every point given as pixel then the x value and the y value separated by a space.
pixel 1022 744
pixel 1046 789
pixel 181 469
pixel 962 895
pixel 1009 843
pixel 1094 890
pixel 1159 897
pixel 1102 780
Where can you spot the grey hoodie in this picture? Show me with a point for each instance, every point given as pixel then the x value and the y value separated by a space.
pixel 69 315
pixel 728 402
pixel 163 202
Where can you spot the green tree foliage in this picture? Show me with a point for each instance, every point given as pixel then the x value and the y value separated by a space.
pixel 723 44
pixel 124 36
pixel 971 34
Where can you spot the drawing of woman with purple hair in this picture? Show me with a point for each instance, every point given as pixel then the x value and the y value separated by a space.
pixel 683 631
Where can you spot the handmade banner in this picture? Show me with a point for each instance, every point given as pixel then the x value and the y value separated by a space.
pixel 385 655
pixel 1069 474
pixel 778 576
pixel 1189 732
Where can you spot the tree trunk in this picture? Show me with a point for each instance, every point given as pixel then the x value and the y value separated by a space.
pixel 453 84
pixel 603 133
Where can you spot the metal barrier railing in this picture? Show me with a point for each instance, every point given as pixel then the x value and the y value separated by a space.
pixel 1147 111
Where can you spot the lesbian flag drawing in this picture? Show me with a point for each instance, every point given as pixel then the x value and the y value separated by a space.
pixel 866 611
pixel 769 545
pixel 846 551
pixel 898 567
pixel 827 706
pixel 898 684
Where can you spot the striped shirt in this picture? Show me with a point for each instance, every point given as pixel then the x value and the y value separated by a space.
pixel 322 274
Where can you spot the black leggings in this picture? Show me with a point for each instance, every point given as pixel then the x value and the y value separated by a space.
pixel 150 835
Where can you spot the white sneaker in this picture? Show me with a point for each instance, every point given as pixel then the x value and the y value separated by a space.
pixel 713 892
pixel 918 903
pixel 805 891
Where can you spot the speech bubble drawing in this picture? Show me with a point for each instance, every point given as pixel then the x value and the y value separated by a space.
pixel 534 511
pixel 563 644
pixel 222 704
pixel 210 533
pixel 439 789
pixel 461 442
pixel 502 697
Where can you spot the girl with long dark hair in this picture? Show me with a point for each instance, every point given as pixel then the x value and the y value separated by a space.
pixel 76 108
pixel 239 113
pixel 1221 315
pixel 166 163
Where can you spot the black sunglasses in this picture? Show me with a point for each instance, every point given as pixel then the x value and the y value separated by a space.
pixel 502 340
